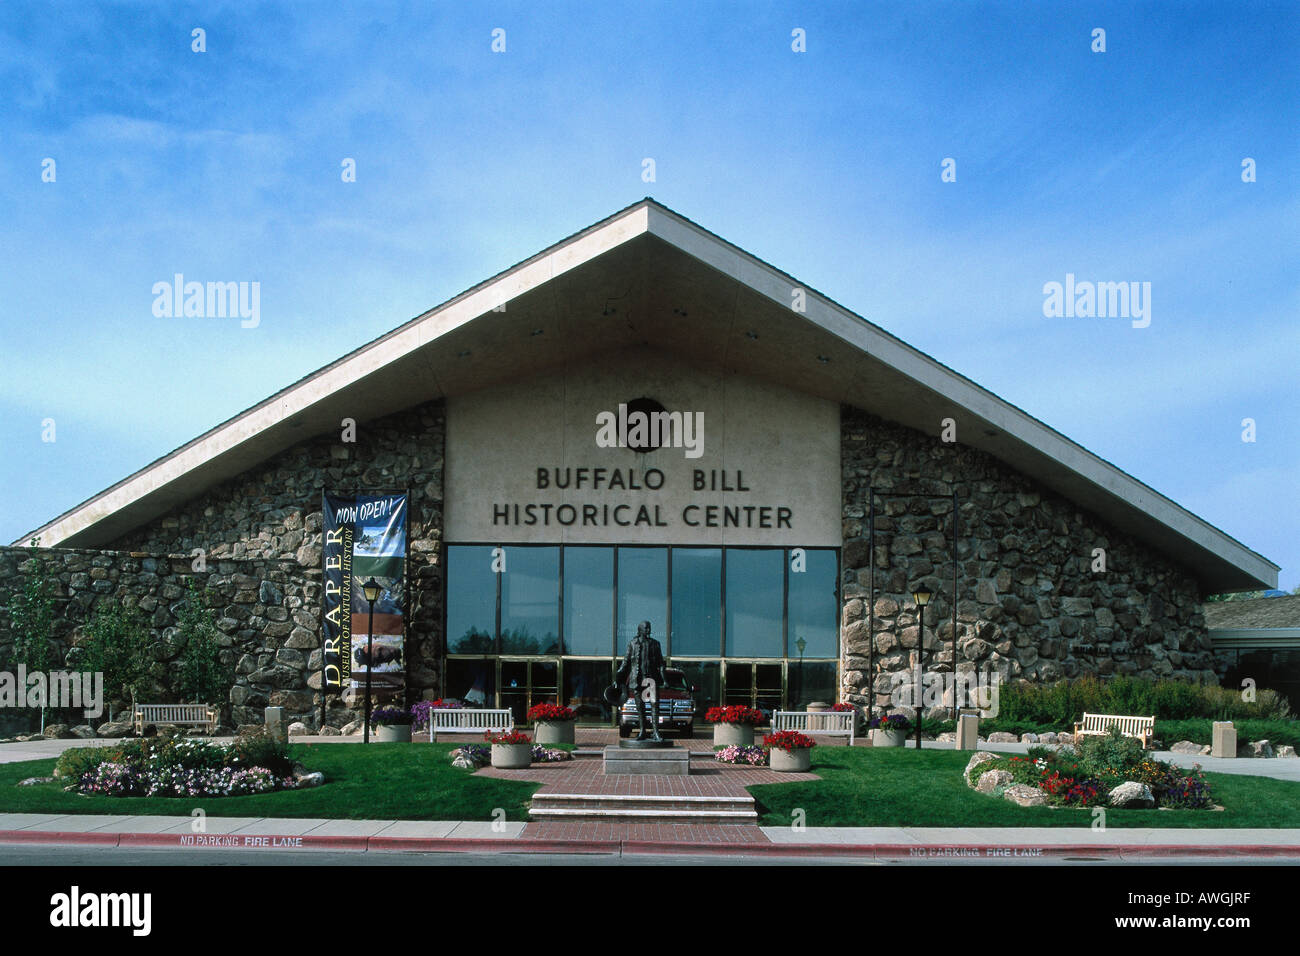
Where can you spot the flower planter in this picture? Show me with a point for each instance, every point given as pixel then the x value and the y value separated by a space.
pixel 392 733
pixel 798 760
pixel 888 738
pixel 553 732
pixel 738 735
pixel 512 756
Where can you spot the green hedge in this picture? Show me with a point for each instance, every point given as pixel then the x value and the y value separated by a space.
pixel 1059 705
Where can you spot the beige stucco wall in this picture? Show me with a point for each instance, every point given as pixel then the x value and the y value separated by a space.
pixel 784 445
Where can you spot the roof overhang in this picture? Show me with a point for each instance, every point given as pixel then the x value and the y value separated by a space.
pixel 649 276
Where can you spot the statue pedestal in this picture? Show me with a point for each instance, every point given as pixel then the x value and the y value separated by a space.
pixel 669 761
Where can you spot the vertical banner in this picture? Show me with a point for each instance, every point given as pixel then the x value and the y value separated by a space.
pixel 364 536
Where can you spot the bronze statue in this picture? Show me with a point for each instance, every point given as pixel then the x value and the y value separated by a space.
pixel 644 661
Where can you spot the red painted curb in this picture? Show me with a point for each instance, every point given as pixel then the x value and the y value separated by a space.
pixel 57 836
pixel 490 845
pixel 243 841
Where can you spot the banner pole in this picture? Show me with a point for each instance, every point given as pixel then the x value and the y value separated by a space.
pixel 324 694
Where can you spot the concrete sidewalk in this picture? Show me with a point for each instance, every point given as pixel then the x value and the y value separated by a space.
pixel 258 833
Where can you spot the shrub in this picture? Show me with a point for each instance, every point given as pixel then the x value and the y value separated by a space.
pixel 113 780
pixel 1186 789
pixel 202 677
pixel 118 644
pixel 261 749
pixel 1111 756
pixel 1060 704
pixel 76 762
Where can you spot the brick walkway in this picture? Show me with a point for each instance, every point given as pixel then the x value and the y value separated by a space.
pixel 584 775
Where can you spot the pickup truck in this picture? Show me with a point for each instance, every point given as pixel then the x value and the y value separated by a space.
pixel 676 707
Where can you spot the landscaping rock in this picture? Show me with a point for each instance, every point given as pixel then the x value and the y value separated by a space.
pixel 84 731
pixel 1067 739
pixel 1131 795
pixel 169 731
pixel 328 731
pixel 1023 795
pixel 1286 750
pixel 243 729
pixel 1029 738
pixel 310 780
pixel 1187 747
pixel 34 781
pixel 352 728
pixel 947 737
pixel 463 761
pixel 977 758
pixel 1002 737
pixel 1258 748
pixel 1049 738
pixel 298 729
pixel 57 732
pixel 992 779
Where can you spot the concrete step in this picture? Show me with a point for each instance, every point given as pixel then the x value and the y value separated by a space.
pixel 640 808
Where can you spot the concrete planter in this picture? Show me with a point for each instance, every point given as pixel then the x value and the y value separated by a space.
pixel 888 738
pixel 391 733
pixel 737 735
pixel 553 732
pixel 798 760
pixel 512 756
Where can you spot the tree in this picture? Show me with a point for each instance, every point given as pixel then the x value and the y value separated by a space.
pixel 201 677
pixel 118 644
pixel 31 614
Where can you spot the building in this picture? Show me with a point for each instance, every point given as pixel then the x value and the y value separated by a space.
pixel 816 471
pixel 1258 640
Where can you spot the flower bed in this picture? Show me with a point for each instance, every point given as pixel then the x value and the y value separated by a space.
pixel 789 741
pixel 507 737
pixel 549 713
pixel 735 714
pixel 1112 770
pixel 753 756
pixel 256 763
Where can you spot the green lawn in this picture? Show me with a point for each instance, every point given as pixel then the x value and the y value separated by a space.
pixel 379 782
pixel 889 787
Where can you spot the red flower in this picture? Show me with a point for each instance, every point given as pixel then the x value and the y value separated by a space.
pixel 789 741
pixel 549 712
pixel 735 714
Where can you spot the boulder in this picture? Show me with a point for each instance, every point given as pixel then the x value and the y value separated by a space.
pixel 947 737
pixel 1131 795
pixel 1023 795
pixel 354 727
pixel 992 779
pixel 57 732
pixel 84 731
pixel 328 731
pixel 298 729
pixel 1049 738
pixel 1002 737
pixel 1187 747
pixel 463 761
pixel 977 758
pixel 1258 748
pixel 1067 739
pixel 1286 750
pixel 35 781
pixel 245 729
pixel 115 728
pixel 310 780
pixel 1029 738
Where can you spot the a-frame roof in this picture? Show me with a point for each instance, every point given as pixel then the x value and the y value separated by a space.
pixel 647 275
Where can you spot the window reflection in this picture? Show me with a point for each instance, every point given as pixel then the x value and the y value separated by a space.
pixel 642 592
pixel 755 588
pixel 697 602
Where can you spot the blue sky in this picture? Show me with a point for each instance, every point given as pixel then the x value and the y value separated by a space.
pixel 1115 166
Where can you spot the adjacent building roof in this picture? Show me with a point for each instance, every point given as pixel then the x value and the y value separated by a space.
pixel 1254 613
pixel 647 275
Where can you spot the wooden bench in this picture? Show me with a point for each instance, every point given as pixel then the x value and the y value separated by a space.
pixel 1099 725
pixel 831 723
pixel 468 720
pixel 188 715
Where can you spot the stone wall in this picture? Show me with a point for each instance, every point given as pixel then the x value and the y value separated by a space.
pixel 1029 604
pixel 265 609
pixel 261 538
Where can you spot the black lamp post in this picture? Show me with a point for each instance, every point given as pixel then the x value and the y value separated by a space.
pixel 922 597
pixel 801 644
pixel 371 589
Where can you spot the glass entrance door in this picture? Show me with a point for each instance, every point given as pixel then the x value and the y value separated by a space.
pixel 524 683
pixel 758 684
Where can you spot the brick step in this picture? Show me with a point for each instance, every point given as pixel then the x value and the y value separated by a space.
pixel 624 815
pixel 642 808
